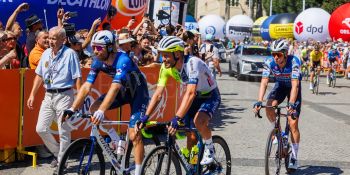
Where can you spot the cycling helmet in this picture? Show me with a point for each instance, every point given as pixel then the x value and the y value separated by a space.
pixel 280 45
pixel 171 44
pixel 103 37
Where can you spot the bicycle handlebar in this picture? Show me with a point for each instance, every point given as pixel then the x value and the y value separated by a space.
pixel 275 107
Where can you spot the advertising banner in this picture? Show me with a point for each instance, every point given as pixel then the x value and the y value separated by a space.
pixel 239 27
pixel 212 24
pixel 282 26
pixel 339 23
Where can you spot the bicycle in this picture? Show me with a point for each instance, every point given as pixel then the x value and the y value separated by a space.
pixel 316 81
pixel 95 148
pixel 332 76
pixel 283 147
pixel 167 159
pixel 305 71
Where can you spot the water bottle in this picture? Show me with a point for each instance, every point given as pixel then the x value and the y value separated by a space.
pixel 194 155
pixel 121 146
pixel 108 140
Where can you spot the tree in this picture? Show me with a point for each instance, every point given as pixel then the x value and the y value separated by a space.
pixel 290 6
pixel 331 5
pixel 191 7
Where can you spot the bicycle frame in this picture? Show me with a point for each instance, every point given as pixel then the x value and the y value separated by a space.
pixel 95 136
pixel 171 143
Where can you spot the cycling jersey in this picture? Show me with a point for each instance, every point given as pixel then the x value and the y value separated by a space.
pixel 125 72
pixel 285 75
pixel 332 56
pixel 316 57
pixel 194 71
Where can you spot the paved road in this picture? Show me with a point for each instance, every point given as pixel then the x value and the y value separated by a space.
pixel 324 125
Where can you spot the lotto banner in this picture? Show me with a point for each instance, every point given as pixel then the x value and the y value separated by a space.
pixel 9 108
pixel 164 111
pixel 127 9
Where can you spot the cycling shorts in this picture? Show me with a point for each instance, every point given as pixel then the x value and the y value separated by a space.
pixel 279 93
pixel 138 104
pixel 208 103
pixel 315 64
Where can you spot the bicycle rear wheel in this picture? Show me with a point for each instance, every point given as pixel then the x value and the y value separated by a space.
pixel 334 79
pixel 76 157
pixel 156 162
pixel 273 158
pixel 222 164
pixel 317 84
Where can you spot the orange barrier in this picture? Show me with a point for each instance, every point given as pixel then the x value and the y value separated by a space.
pixel 9 108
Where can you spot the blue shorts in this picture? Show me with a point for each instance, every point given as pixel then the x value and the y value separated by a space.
pixel 207 103
pixel 279 93
pixel 138 104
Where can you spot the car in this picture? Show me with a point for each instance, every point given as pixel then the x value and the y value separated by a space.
pixel 248 61
pixel 222 51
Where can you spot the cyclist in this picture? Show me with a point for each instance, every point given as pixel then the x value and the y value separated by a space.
pixel 333 55
pixel 200 100
pixel 128 86
pixel 316 60
pixel 286 70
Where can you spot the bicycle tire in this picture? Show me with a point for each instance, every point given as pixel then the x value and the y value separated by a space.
pixel 268 148
pixel 128 154
pixel 317 84
pixel 334 79
pixel 159 153
pixel 286 161
pixel 74 149
pixel 217 167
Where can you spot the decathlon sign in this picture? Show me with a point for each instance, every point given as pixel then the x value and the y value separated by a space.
pixel 311 23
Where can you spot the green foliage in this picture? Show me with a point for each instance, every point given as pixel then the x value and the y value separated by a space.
pixel 331 5
pixel 191 7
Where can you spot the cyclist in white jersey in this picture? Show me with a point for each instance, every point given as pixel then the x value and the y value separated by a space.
pixel 200 100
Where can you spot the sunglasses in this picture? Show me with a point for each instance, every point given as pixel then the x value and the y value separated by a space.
pixel 278 54
pixel 98 48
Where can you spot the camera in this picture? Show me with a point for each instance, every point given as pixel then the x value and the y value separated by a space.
pixel 69 28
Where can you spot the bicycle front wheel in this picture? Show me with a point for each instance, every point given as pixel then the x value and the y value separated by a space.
pixel 82 157
pixel 156 163
pixel 272 155
pixel 222 164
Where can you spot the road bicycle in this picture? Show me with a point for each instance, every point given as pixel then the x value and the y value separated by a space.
pixel 333 76
pixel 86 155
pixel 316 81
pixel 168 159
pixel 305 71
pixel 279 149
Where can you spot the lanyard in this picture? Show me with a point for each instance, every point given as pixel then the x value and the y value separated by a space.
pixel 53 65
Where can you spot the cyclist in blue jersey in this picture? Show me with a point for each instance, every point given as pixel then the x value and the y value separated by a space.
pixel 333 56
pixel 286 70
pixel 201 99
pixel 128 86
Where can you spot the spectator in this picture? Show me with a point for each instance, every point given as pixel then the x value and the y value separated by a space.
pixel 33 24
pixel 125 42
pixel 137 51
pixel 210 54
pixel 5 53
pixel 188 38
pixel 58 85
pixel 86 63
pixel 106 26
pixel 14 63
pixel 42 43
pixel 170 30
pixel 197 42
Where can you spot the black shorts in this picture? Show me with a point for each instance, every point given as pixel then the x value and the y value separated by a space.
pixel 279 93
pixel 315 64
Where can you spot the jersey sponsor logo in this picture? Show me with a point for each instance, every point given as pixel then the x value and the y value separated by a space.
pixel 119 72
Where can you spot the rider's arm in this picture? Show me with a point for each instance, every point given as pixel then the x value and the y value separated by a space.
pixel 294 91
pixel 157 96
pixel 111 94
pixel 263 86
pixel 83 92
pixel 187 100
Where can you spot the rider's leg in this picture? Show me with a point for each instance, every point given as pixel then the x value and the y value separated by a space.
pixel 191 140
pixel 136 139
pixel 201 122
pixel 270 112
pixel 312 78
pixel 294 129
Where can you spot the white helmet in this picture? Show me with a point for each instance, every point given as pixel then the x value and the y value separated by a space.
pixel 280 45
pixel 103 37
pixel 171 44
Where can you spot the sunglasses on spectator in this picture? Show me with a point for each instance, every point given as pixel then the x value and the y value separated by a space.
pixel 98 48
pixel 278 54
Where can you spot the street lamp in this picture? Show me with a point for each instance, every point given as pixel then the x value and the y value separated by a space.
pixel 270 7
